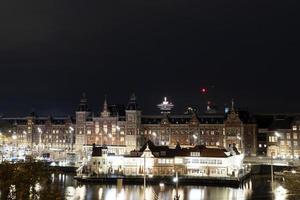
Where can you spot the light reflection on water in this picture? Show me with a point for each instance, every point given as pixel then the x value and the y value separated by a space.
pixel 255 188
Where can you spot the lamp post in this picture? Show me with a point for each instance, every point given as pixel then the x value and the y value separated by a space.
pixel 71 131
pixel 176 181
pixel 144 176
pixel 40 137
pixel 277 135
pixel 195 137
pixel 118 134
pixel 23 136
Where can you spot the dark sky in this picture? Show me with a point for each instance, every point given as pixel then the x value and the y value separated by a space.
pixel 52 51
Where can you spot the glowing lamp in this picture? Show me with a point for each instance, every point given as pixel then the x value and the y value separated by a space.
pixel 204 90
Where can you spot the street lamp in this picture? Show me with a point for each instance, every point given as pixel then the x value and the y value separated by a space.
pixel 71 130
pixel 40 136
pixel 195 138
pixel 14 136
pixel 175 180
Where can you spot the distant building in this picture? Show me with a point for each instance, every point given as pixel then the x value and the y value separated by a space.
pixel 131 128
pixel 42 134
pixel 126 128
pixel 278 135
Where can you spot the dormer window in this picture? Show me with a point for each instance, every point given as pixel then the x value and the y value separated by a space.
pixel 195 154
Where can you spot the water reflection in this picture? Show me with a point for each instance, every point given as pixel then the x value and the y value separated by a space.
pixel 256 188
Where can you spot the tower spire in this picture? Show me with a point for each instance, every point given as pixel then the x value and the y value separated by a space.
pixel 105 104
pixel 132 104
pixel 83 105
pixel 105 112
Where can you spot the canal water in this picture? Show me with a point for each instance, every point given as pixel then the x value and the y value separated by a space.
pixel 257 187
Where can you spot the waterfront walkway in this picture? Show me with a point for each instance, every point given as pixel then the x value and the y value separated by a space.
pixel 168 180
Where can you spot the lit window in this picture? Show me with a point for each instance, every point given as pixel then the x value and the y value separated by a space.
pixel 294 128
pixel 105 128
pixel 89 132
pixel 295 143
pixel 259 145
pixel 272 139
pixel 288 143
pixel 295 136
pixel 114 129
pixel 282 142
pixel 265 145
pixel 288 136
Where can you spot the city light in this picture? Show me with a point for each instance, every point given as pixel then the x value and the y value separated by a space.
pixel 175 179
pixel 39 130
pixel 204 90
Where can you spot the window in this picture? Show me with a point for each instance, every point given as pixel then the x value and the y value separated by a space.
pixel 259 145
pixel 294 128
pixel 97 128
pixel 212 132
pixel 89 132
pixel 113 129
pixel 282 142
pixel 195 154
pixel 295 143
pixel 288 136
pixel 105 128
pixel 295 136
pixel 272 139
pixel 288 143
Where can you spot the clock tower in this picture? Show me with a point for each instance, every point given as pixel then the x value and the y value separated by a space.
pixel 234 132
pixel 82 114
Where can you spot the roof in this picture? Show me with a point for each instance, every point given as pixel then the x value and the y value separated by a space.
pixel 83 105
pixel 281 123
pixel 40 120
pixel 165 151
pixel 97 151
pixel 132 104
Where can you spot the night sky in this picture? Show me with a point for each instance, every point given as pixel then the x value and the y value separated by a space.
pixel 52 51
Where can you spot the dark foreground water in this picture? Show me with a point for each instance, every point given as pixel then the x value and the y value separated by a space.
pixel 257 187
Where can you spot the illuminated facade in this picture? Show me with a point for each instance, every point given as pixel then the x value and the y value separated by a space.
pixel 126 128
pixel 42 132
pixel 155 160
pixel 280 135
pixel 131 128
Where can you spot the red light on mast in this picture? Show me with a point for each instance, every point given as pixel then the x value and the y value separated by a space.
pixel 203 90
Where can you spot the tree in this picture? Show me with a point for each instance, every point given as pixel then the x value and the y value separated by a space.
pixel 27 180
